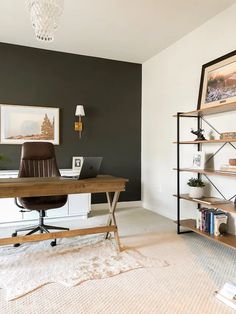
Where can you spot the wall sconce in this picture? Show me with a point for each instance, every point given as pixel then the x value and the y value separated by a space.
pixel 79 112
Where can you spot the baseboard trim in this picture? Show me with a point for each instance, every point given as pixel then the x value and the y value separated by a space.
pixel 160 212
pixel 130 204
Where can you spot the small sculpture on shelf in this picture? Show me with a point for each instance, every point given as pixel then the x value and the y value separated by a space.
pixel 211 135
pixel 223 228
pixel 198 133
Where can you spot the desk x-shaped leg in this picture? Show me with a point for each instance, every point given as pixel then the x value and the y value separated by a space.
pixel 112 202
pixel 110 227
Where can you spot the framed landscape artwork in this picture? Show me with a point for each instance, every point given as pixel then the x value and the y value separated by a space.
pixel 21 124
pixel 218 82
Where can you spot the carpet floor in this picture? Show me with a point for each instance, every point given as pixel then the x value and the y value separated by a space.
pixel 197 267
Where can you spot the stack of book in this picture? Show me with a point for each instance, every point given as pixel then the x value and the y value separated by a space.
pixel 209 220
pixel 228 168
pixel 228 135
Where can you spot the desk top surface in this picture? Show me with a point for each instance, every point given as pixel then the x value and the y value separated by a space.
pixel 26 187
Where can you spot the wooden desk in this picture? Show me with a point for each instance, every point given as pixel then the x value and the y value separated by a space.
pixel 24 187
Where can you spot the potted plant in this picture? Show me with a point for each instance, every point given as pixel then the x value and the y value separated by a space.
pixel 196 188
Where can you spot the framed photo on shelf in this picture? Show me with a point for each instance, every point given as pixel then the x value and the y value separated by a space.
pixel 77 163
pixel 199 159
pixel 218 82
pixel 21 124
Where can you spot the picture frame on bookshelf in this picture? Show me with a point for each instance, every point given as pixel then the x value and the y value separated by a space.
pixel 218 82
pixel 198 161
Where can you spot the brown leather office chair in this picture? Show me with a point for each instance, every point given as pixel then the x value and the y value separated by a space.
pixel 38 160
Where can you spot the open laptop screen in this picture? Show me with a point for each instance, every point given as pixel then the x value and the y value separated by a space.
pixel 90 167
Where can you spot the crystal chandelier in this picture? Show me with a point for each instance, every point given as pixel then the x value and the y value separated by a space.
pixel 44 17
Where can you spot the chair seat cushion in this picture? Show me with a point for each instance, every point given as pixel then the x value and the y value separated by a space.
pixel 43 202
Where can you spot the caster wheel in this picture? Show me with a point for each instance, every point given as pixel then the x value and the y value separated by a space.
pixel 15 235
pixel 108 237
pixel 53 243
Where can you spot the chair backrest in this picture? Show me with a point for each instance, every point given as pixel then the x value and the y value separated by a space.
pixel 38 160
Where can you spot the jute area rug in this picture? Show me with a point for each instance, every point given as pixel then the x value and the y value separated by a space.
pixel 70 263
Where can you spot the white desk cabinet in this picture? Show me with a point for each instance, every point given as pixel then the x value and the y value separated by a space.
pixel 77 205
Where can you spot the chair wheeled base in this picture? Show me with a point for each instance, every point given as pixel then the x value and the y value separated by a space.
pixel 41 227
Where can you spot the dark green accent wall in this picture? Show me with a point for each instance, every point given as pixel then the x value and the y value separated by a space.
pixel 110 92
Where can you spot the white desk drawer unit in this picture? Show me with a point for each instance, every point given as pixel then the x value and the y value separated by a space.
pixel 77 205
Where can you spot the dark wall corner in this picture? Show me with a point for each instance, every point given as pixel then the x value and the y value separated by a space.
pixel 110 92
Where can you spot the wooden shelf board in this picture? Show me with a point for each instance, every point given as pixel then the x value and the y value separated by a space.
pixel 210 110
pixel 207 141
pixel 228 239
pixel 227 207
pixel 209 172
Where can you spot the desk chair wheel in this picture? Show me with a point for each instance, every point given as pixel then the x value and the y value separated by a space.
pixel 53 243
pixel 15 235
pixel 108 236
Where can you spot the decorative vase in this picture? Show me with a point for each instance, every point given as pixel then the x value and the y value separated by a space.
pixel 196 192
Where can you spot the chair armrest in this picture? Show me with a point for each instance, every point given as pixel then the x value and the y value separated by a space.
pixel 17 204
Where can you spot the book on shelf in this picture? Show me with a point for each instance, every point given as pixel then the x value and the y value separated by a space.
pixel 210 220
pixel 227 294
pixel 202 219
pixel 211 200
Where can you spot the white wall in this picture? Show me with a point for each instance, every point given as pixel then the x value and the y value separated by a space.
pixel 170 84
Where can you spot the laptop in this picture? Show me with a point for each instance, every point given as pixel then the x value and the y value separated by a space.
pixel 90 167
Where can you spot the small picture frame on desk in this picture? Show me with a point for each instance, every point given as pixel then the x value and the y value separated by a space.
pixel 199 159
pixel 77 163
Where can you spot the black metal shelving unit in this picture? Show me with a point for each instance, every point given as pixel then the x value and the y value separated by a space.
pixel 229 240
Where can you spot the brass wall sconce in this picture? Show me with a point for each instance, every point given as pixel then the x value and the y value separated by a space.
pixel 79 112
